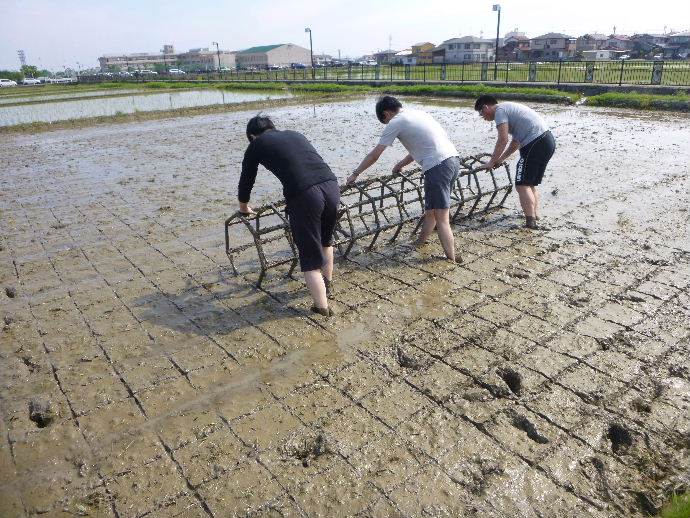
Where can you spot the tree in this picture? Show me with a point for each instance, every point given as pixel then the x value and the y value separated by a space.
pixel 113 68
pixel 29 71
pixel 159 67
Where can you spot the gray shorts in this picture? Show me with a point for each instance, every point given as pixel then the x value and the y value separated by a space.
pixel 438 182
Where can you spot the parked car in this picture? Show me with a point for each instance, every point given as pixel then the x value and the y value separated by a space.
pixel 61 80
pixel 7 82
pixel 31 81
pixel 124 73
pixel 176 71
pixel 298 65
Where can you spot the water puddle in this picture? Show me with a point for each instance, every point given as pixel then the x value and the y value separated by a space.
pixel 108 106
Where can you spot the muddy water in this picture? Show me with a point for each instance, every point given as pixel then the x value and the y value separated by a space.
pixel 112 105
pixel 544 376
pixel 34 96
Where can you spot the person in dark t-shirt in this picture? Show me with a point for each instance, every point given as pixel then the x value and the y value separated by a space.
pixel 312 195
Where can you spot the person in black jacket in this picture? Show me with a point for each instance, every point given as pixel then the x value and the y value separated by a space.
pixel 312 195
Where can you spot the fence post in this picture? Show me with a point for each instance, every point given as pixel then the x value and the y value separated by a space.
pixel 620 79
pixel 391 71
pixel 424 76
pixel 560 65
pixel 462 73
pixel 507 70
pixel 361 75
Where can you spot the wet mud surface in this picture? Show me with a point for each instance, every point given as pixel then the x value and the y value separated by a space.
pixel 545 375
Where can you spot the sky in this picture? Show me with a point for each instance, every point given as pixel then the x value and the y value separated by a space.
pixel 69 33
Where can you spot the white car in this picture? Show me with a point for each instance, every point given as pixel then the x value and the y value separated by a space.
pixel 7 82
pixel 31 81
pixel 176 71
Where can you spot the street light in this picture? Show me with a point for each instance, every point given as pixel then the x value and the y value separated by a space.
pixel 497 8
pixel 217 52
pixel 311 51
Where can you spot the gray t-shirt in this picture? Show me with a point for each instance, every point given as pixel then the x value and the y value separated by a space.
pixel 524 124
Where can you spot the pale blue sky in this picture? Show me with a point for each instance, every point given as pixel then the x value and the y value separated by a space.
pixel 57 33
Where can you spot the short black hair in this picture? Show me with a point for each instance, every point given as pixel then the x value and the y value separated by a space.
pixel 387 102
pixel 485 100
pixel 257 125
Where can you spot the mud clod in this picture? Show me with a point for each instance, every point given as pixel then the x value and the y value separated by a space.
pixel 642 406
pixel 679 371
pixel 524 424
pixel 620 437
pixel 41 412
pixel 408 361
pixel 513 379
pixel 10 292
pixel 307 449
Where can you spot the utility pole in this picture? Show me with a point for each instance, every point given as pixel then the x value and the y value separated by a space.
pixel 311 51
pixel 497 8
pixel 22 57
pixel 218 53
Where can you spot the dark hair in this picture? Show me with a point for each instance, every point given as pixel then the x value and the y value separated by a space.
pixel 485 100
pixel 387 102
pixel 257 125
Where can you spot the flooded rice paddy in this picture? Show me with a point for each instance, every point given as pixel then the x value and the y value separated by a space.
pixel 545 375
pixel 59 107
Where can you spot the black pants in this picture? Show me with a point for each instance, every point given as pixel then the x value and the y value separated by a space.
pixel 533 159
pixel 312 215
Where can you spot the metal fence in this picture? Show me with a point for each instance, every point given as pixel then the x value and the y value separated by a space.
pixel 622 72
pixel 672 73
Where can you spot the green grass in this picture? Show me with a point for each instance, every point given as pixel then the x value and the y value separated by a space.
pixel 678 507
pixel 678 102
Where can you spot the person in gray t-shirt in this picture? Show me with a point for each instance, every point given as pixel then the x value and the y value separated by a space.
pixel 520 127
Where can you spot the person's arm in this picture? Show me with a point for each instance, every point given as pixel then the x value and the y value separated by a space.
pixel 250 166
pixel 368 161
pixel 512 148
pixel 500 147
pixel 404 162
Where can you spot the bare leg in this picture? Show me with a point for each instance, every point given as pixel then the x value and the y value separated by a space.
pixel 535 193
pixel 317 288
pixel 527 200
pixel 445 233
pixel 327 268
pixel 427 227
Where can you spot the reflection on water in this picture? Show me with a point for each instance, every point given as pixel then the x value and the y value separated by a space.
pixel 83 108
pixel 24 98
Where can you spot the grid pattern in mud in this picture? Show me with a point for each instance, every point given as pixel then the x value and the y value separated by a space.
pixel 545 375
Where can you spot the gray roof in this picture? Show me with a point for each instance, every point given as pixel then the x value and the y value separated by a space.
pixel 553 36
pixel 596 36
pixel 469 39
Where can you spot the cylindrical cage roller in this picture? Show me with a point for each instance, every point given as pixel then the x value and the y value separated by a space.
pixel 368 209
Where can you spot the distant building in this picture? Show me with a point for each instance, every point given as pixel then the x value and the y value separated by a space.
pixel 619 42
pixel 601 55
pixel 514 48
pixel 678 45
pixel 465 49
pixel 591 41
pixel 194 59
pixel 423 52
pixel 405 57
pixel 552 46
pixel 384 57
pixel 268 55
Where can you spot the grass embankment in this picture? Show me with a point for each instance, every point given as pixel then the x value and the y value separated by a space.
pixel 678 507
pixel 678 102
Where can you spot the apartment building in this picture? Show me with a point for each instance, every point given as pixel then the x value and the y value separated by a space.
pixel 193 59
pixel 269 55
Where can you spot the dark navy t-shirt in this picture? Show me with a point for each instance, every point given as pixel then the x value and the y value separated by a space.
pixel 289 156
